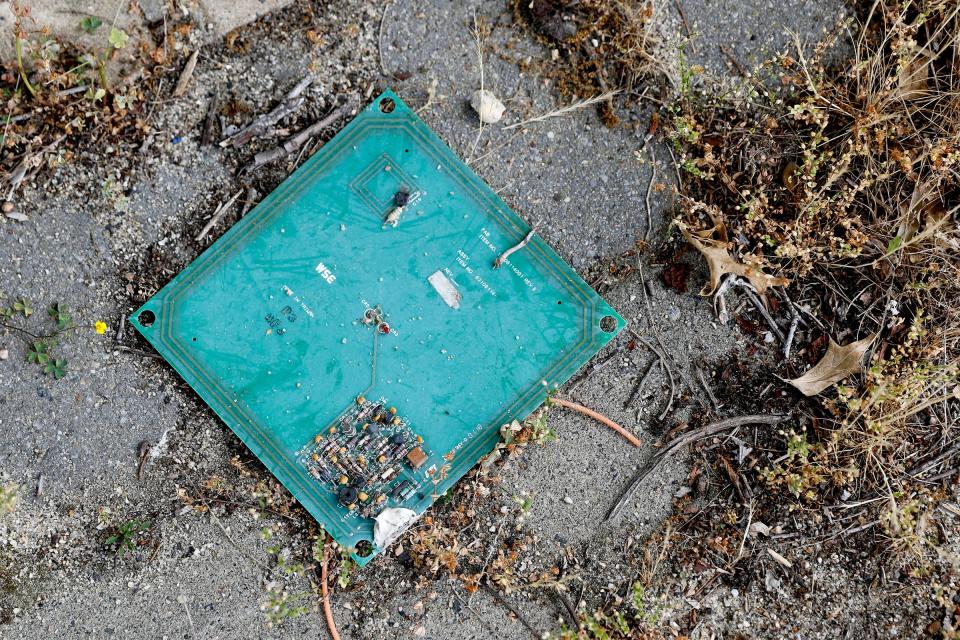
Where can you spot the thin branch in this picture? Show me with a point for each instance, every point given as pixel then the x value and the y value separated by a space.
pixel 292 102
pixel 512 609
pixel 296 141
pixel 686 439
pixel 653 176
pixel 642 381
pixel 187 74
pixel 217 215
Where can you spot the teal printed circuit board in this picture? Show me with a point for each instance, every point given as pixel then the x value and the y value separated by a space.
pixel 366 331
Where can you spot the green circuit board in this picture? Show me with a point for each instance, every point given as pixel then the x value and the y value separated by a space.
pixel 363 333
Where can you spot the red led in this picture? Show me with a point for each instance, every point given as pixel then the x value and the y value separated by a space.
pixel 384 327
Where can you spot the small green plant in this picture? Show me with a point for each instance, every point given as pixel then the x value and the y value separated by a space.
pixel 347 565
pixel 40 345
pixel 91 24
pixel 282 605
pixel 541 431
pixel 127 535
pixel 118 38
pixel 635 620
pixel 525 502
pixel 23 308
pixel 61 317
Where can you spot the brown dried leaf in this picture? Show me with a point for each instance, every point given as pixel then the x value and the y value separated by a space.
pixel 835 365
pixel 721 263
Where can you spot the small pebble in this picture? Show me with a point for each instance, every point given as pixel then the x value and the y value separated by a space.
pixel 489 109
pixel 568 499
pixel 7 206
pixel 4 354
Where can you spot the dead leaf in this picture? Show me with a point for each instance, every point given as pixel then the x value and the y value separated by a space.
pixel 779 558
pixel 721 263
pixel 835 365
pixel 913 79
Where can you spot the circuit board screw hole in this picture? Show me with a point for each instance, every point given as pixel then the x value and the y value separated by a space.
pixel 387 105
pixel 146 318
pixel 364 548
pixel 608 324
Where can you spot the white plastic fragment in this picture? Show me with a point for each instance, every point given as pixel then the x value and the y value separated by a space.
pixel 446 288
pixel 388 526
pixel 487 106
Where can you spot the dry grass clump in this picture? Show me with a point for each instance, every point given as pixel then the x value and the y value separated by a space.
pixel 60 98
pixel 600 45
pixel 847 185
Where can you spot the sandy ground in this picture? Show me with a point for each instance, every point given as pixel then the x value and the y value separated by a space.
pixel 97 225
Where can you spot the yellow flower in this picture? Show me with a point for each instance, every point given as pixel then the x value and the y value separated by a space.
pixel 100 327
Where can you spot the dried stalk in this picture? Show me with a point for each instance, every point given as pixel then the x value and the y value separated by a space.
pixel 686 439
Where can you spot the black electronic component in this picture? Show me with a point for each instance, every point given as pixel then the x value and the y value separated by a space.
pixel 347 496
pixel 398 438
pixel 401 198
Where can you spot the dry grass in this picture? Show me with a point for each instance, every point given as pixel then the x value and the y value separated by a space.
pixel 847 185
pixel 600 46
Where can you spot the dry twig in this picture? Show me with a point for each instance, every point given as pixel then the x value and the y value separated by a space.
pixel 557 113
pixel 217 215
pixel 642 381
pixel 292 102
pixel 686 439
pixel 296 141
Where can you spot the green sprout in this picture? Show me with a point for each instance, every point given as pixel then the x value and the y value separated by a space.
pixel 118 38
pixel 91 24
pixel 127 535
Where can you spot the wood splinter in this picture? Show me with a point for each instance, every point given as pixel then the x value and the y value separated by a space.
pixel 506 254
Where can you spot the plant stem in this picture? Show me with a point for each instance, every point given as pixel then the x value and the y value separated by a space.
pixel 23 73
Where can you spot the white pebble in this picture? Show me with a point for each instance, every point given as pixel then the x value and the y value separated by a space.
pixel 487 106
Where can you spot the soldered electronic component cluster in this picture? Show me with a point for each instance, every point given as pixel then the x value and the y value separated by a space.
pixel 367 457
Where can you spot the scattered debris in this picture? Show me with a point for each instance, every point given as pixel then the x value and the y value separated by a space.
pixel 786 564
pixel 642 381
pixel 211 130
pixel 143 455
pixel 721 263
pixel 564 111
pixel 295 142
pixel 682 441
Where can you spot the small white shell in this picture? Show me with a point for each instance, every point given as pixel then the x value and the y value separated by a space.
pixel 487 106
